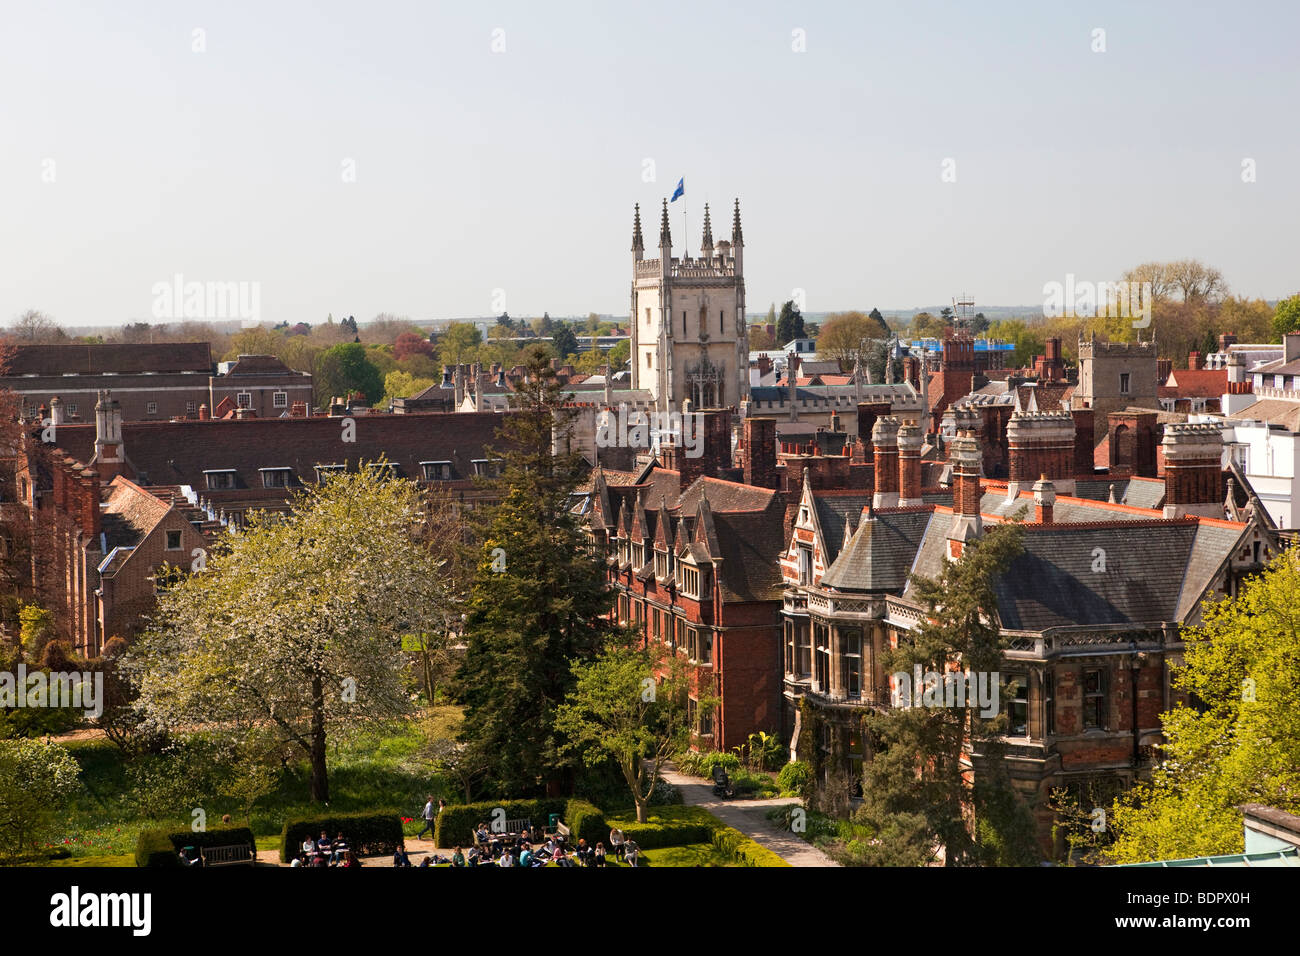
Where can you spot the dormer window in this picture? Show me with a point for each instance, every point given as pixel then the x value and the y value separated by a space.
pixel 488 467
pixel 276 477
pixel 220 479
pixel 661 565
pixel 324 471
pixel 638 555
pixel 694 582
pixel 244 399
pixel 436 470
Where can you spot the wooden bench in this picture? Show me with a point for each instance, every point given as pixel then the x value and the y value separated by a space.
pixel 238 854
pixel 512 826
pixel 562 831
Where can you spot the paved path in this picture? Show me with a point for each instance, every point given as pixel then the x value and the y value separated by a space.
pixel 749 817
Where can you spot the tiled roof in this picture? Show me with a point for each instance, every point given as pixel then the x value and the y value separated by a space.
pixel 1274 411
pixel 749 542
pixel 724 496
pixel 833 512
pixel 881 552
pixel 1196 383
pixel 96 359
pixel 260 365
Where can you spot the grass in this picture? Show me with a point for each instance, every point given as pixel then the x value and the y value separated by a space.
pixel 692 854
pixel 378 766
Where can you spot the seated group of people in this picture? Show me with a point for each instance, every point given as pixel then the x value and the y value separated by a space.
pixel 326 852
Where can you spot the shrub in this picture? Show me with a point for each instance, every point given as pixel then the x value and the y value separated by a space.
pixel 744 850
pixel 455 826
pixel 368 834
pixel 37 778
pixel 794 779
pixel 682 826
pixel 159 847
pixel 701 764
pixel 585 822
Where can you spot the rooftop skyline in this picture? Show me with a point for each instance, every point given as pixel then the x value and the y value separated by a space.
pixel 449 162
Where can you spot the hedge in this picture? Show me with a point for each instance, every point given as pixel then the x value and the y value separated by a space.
pixel 160 847
pixel 368 834
pixel 679 826
pixel 455 826
pixel 586 822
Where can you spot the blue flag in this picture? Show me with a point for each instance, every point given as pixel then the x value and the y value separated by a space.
pixel 680 190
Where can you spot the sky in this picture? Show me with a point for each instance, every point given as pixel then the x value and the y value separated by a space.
pixel 439 160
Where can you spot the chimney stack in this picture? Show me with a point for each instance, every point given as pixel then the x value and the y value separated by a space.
pixel 909 465
pixel 760 452
pixel 1040 443
pixel 56 410
pixel 1195 361
pixel 109 452
pixel 1044 500
pixel 1193 470
pixel 968 524
pixel 884 437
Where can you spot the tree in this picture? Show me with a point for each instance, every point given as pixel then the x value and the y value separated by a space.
pixel 1196 281
pixel 565 342
pixel 1240 742
pixel 344 369
pixel 36 328
pixel 295 626
pixel 1028 338
pixel 618 356
pixel 349 325
pixel 847 337
pixel 1286 317
pixel 412 343
pixel 771 315
pixel 618 712
pixel 926 326
pixel 456 344
pixel 256 341
pixel 36 779
pixel 790 325
pixel 538 600
pixel 918 771
pixel 402 385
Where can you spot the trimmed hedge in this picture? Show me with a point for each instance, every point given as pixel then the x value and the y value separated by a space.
pixel 586 822
pixel 455 825
pixel 680 826
pixel 160 847
pixel 368 834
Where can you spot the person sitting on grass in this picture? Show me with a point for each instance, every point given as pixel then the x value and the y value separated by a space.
pixel 632 853
pixel 400 858
pixel 583 853
pixel 507 858
pixel 560 858
pixel 458 858
pixel 598 855
pixel 297 860
pixel 351 860
pixel 427 861
pixel 473 857
pixel 526 855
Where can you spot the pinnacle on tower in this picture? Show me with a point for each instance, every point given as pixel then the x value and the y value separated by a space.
pixel 665 237
pixel 706 245
pixel 637 244
pixel 737 238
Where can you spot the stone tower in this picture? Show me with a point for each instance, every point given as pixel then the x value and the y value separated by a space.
pixel 689 338
pixel 1114 376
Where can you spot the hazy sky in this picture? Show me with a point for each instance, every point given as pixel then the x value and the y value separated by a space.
pixel 478 170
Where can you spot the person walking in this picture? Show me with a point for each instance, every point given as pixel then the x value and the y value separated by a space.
pixel 428 818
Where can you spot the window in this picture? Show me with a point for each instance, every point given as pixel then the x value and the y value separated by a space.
pixel 280 399
pixel 1017 706
pixel 488 467
pixel 436 470
pixel 191 408
pixel 1049 704
pixel 1094 699
pixel 691 582
pixel 244 399
pixel 699 646
pixel 647 360
pixel 701 720
pixel 822 676
pixel 789 647
pixel 851 641
pixel 275 477
pixel 324 471
pixel 638 555
pixel 220 479
pixel 803 660
pixel 647 315
pixel 661 565
pixel 151 408
pixel 71 409
pixel 173 540
pixel 805 564
pixel 1123 383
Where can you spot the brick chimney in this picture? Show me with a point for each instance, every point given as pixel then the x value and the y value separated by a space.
pixel 89 502
pixel 909 464
pixel 911 371
pixel 1195 360
pixel 966 457
pixel 1226 340
pixel 110 454
pixel 884 438
pixel 1084 461
pixel 711 433
pixel 1193 470
pixel 760 452
pixel 1040 443
pixel 1044 500
pixel 868 412
pixel 204 414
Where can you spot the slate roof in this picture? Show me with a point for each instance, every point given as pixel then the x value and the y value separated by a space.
pixel 1274 411
pixel 1137 492
pixel 881 552
pixel 749 542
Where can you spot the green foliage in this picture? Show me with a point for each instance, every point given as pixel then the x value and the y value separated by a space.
pixel 525 627
pixel 367 834
pixel 456 345
pixel 1242 745
pixel 1286 317
pixel 617 712
pixel 916 790
pixel 790 325
pixel 455 824
pixel 37 778
pixel 161 847
pixel 618 356
pixel 585 821
pixel 744 850
pixel 794 779
pixel 701 763
pixel 36 625
pixel 764 751
pixel 564 341
pixel 346 368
